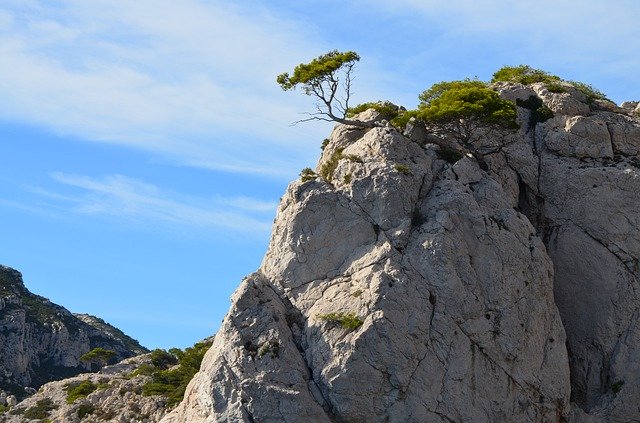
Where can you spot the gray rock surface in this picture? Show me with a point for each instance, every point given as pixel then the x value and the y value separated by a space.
pixel 116 397
pixel 463 286
pixel 42 341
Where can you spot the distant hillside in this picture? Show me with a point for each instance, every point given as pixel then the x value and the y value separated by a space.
pixel 42 341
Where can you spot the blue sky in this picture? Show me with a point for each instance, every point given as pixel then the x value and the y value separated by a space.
pixel 145 144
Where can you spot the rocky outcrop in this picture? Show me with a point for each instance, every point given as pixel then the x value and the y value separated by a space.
pixel 42 341
pixel 112 395
pixel 405 288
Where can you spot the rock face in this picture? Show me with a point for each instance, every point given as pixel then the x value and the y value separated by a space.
pixel 42 341
pixel 403 288
pixel 111 395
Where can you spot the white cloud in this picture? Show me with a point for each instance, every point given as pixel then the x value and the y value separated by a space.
pixel 131 200
pixel 193 81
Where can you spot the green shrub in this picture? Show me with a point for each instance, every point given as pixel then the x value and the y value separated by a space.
pixel 404 169
pixel 144 369
pixel 348 321
pixel 16 411
pixel 556 87
pixel 84 409
pixel 172 383
pixel 327 169
pixel 539 112
pixel 589 91
pixel 357 293
pixel 40 410
pixel 524 74
pixel 469 100
pixel 162 359
pixel 307 174
pixel 3 408
pixel 77 390
pixel 98 355
pixel 449 155
pixel 347 178
pixel 617 386
pixel 388 110
pixel 403 118
pixel 271 347
pixel 325 143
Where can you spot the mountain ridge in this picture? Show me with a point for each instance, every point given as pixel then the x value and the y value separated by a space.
pixel 42 341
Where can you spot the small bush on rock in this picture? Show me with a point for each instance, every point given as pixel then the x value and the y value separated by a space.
pixel 386 109
pixel 79 390
pixel 99 356
pixel 271 347
pixel 449 155
pixel 327 169
pixel 40 410
pixel 405 170
pixel 348 321
pixel 524 74
pixel 308 174
pixel 617 386
pixel 84 409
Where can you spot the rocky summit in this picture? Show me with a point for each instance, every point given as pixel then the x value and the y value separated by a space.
pixel 405 283
pixel 41 341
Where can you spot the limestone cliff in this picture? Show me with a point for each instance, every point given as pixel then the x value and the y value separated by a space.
pixel 41 341
pixel 405 288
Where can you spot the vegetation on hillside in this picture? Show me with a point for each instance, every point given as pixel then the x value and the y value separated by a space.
pixel 171 371
pixel 99 356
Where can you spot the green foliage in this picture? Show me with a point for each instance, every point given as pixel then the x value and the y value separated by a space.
pixel 77 390
pixel 449 155
pixel 403 118
pixel 357 293
pixel 172 383
pixel 347 178
pixel 556 87
pixel 327 169
pixel 98 355
pixel 325 143
pixel 539 112
pixel 318 70
pixel 40 410
pixel 386 109
pixel 617 386
pixel 145 369
pixel 3 408
pixel 471 100
pixel 589 91
pixel 348 321
pixel 405 170
pixel 17 411
pixel 524 74
pixel 272 347
pixel 84 409
pixel 162 359
pixel 308 174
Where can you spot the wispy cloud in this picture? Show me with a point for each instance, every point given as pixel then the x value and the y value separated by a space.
pixel 579 29
pixel 130 200
pixel 193 81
